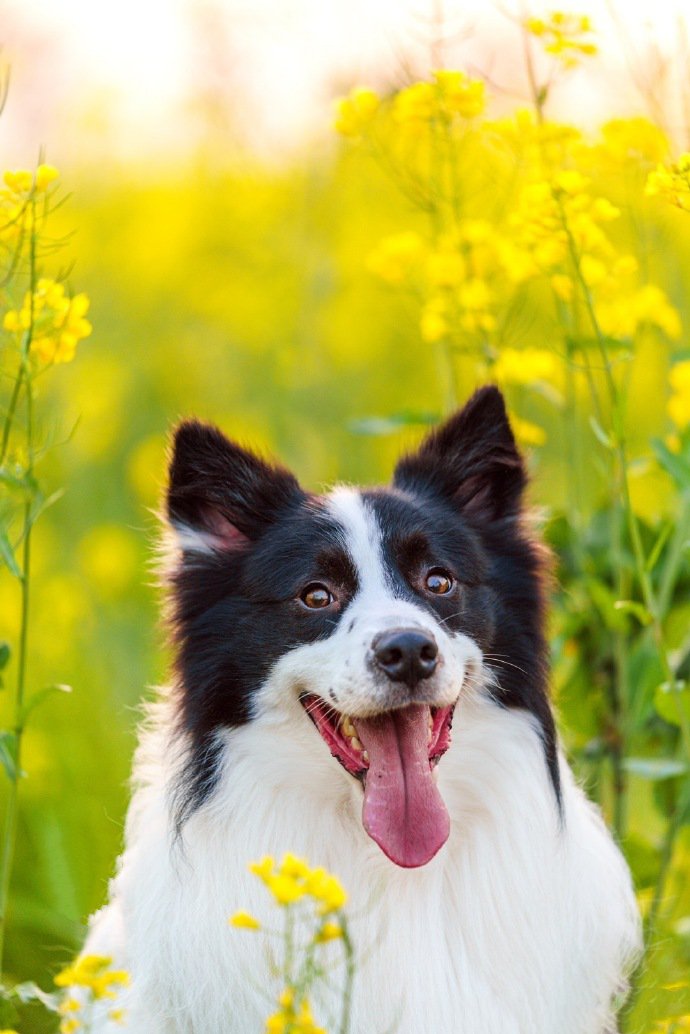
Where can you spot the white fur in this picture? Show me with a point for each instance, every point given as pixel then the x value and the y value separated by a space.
pixel 520 925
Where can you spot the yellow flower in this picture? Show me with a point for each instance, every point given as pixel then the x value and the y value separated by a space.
pixel 416 103
pixel 326 889
pixel 245 921
pixel 672 183
pixel 69 1005
pixel 527 433
pixel 445 268
pixel 45 175
pixel 19 182
pixel 396 257
pixel 117 1015
pixel 460 95
pixel 57 322
pixel 286 889
pixel 563 36
pixel 329 932
pixel 474 294
pixel 92 972
pixel 637 138
pixel 264 868
pixel 433 324
pixel 354 113
pixel 291 865
pixel 69 1025
pixel 524 365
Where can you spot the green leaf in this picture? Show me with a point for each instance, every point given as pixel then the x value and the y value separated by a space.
pixel 30 992
pixel 380 425
pixel 8 759
pixel 600 434
pixel 655 769
pixel 41 696
pixel 638 610
pixel 8 1014
pixel 661 541
pixel 673 464
pixel 7 554
pixel 673 701
pixel 5 654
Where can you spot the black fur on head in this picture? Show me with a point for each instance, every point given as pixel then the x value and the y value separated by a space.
pixel 471 464
pixel 221 500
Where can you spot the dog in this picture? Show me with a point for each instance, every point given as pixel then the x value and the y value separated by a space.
pixel 361 678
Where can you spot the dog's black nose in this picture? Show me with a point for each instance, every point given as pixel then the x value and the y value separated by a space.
pixel 406 654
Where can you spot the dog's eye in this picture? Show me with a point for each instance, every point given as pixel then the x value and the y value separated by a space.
pixel 317 596
pixel 439 582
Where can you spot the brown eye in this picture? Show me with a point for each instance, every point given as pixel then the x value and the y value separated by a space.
pixel 439 582
pixel 316 596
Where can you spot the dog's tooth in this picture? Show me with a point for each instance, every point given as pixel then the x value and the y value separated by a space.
pixel 365 755
pixel 356 743
pixel 348 727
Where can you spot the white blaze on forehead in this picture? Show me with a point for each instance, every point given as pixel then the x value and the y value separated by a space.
pixel 361 537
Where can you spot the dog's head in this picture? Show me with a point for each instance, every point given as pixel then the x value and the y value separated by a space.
pixel 375 610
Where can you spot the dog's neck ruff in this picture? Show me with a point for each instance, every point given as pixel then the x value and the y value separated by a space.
pixel 500 933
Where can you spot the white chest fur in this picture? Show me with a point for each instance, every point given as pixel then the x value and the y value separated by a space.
pixel 520 925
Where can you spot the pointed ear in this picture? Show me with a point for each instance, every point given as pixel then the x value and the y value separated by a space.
pixel 471 461
pixel 220 496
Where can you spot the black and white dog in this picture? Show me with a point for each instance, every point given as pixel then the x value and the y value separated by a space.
pixel 324 647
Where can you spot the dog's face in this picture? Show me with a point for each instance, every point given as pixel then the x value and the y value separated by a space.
pixel 373 611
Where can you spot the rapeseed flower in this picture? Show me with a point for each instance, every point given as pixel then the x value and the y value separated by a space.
pixel 292 1019
pixel 564 36
pixel 245 921
pixel 354 113
pixel 57 322
pixel 460 95
pixel 293 879
pixel 672 182
pixel 639 139
pixel 397 256
pixel 524 365
pixel 93 973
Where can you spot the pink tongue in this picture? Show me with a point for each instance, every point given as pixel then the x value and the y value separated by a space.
pixel 403 809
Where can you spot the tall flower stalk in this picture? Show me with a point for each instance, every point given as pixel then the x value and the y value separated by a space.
pixel 39 332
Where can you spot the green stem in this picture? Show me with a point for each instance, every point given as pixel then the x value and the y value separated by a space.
pixel 349 977
pixel 11 813
pixel 11 409
pixel 652 917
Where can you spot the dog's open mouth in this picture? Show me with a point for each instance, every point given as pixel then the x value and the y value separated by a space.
pixel 393 755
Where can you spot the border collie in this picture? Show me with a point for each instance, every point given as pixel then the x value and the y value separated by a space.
pixel 325 645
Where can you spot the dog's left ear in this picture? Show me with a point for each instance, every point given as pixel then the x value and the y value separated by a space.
pixel 471 460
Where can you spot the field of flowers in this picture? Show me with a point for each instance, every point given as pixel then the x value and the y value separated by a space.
pixel 328 312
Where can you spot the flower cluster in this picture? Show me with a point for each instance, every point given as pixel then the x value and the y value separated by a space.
pixel 291 883
pixel 55 321
pixel 293 880
pixel 564 36
pixel 672 182
pixel 19 187
pixel 94 975
pixel 450 93
pixel 292 1017
pixel 354 113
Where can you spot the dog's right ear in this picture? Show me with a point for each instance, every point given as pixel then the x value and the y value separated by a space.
pixel 222 497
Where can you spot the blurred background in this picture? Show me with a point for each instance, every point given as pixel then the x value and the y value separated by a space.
pixel 222 232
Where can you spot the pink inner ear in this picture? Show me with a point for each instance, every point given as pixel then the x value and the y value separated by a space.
pixel 223 531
